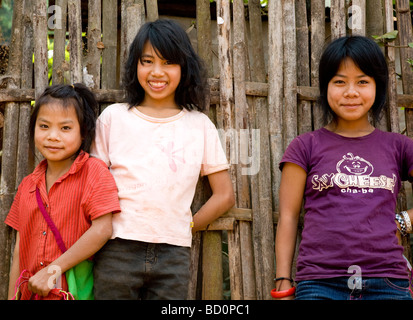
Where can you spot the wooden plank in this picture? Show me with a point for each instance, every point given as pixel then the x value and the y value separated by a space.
pixel 275 111
pixel 318 35
pixel 135 18
pixel 40 46
pixel 202 188
pixel 59 44
pixel 236 267
pixel 338 17
pixel 94 37
pixel 358 19
pixel 263 229
pixel 391 62
pixel 290 73
pixel 75 40
pixel 404 26
pixel 212 266
pixel 152 10
pixel 129 28
pixel 109 38
pixel 9 154
pixel 23 166
pixel 304 122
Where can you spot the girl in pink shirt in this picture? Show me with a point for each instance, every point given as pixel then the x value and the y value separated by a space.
pixel 156 145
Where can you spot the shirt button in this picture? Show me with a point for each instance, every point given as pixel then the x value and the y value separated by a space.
pixel 41 263
pixel 44 233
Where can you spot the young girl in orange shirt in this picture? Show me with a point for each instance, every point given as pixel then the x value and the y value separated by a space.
pixel 78 192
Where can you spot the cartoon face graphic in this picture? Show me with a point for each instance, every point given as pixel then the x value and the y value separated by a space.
pixel 354 165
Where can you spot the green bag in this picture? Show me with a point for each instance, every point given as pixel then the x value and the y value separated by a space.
pixel 80 280
pixel 80 277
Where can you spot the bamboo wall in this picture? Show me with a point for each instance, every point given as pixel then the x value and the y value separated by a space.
pixel 262 96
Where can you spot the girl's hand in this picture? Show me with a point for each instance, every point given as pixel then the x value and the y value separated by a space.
pixel 42 282
pixel 86 246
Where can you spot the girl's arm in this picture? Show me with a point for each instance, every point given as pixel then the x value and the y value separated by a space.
pixel 87 245
pixel 410 211
pixel 222 200
pixel 14 271
pixel 293 179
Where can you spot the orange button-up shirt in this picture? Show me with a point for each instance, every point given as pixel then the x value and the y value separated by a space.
pixel 86 192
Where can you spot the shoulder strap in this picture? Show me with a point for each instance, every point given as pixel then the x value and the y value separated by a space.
pixel 50 223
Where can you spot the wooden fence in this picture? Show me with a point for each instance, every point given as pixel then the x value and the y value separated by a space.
pixel 262 97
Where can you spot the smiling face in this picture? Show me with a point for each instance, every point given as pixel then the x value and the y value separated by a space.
pixel 158 77
pixel 57 133
pixel 351 93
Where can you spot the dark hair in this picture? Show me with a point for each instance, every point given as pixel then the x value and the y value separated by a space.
pixel 170 42
pixel 367 56
pixel 78 96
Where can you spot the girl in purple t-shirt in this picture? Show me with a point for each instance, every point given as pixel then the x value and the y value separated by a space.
pixel 349 174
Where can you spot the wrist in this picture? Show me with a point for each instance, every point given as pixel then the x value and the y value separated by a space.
pixel 403 223
pixel 284 287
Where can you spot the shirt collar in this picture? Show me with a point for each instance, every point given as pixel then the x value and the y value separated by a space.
pixel 38 175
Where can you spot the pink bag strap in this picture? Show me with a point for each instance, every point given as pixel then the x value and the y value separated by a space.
pixel 49 221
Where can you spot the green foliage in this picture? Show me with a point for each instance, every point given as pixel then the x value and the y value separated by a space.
pixel 386 38
pixel 6 18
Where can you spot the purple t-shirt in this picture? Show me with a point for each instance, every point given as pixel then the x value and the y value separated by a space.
pixel 350 200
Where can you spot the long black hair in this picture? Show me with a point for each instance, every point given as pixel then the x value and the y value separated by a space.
pixel 171 43
pixel 367 56
pixel 78 96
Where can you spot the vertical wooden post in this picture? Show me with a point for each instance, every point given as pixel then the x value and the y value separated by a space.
pixel 303 65
pixel 152 10
pixel 109 38
pixel 40 46
pixel 338 18
pixel 290 72
pixel 23 165
pixel 275 111
pixel 59 62
pixel 224 112
pixel 318 35
pixel 94 35
pixel 135 15
pixel 75 39
pixel 375 25
pixel 391 57
pixel 238 237
pixel 212 276
pixel 358 18
pixel 9 156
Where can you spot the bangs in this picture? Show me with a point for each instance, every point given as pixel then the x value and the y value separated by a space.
pixel 361 55
pixel 166 44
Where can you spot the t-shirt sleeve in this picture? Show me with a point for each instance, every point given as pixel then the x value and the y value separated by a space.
pixel 103 198
pixel 296 153
pixel 214 159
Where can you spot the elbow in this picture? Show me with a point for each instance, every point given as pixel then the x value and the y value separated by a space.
pixel 107 232
pixel 229 200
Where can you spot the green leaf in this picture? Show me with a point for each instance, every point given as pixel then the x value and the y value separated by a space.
pixel 387 37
